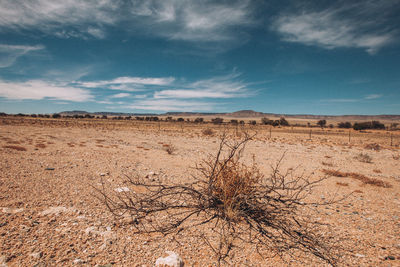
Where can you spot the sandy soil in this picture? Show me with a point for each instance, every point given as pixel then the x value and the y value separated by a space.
pixel 50 217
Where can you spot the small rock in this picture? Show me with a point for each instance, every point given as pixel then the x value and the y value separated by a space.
pixel 172 260
pixel 122 189
pixel 49 169
pixel 36 255
pixel 392 258
pixel 78 261
pixel 360 255
pixel 102 174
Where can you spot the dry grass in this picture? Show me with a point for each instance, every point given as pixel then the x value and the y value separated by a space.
pixel 364 179
pixel 208 132
pixel 169 148
pixel 373 146
pixel 364 157
pixel 377 171
pixel 18 148
pixel 327 164
pixel 40 145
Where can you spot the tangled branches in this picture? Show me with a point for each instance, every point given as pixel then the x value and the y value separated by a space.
pixel 235 201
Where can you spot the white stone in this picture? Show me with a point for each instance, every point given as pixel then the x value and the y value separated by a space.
pixel 172 260
pixel 122 189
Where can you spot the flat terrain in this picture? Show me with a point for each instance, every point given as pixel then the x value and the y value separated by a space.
pixel 49 215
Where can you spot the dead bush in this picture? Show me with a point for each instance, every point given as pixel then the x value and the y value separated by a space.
pixel 208 131
pixel 373 146
pixel 18 148
pixel 396 157
pixel 235 203
pixel 364 157
pixel 364 179
pixel 170 149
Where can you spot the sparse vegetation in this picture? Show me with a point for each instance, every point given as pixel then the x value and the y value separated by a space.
pixel 364 157
pixel 169 148
pixel 208 131
pixel 364 179
pixel 18 148
pixel 373 146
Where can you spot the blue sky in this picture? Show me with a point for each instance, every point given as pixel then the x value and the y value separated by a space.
pixel 294 57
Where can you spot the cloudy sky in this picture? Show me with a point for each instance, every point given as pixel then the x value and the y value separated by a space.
pixel 297 57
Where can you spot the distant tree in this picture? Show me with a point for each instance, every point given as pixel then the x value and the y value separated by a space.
pixel 368 125
pixel 283 122
pixel 234 122
pixel 33 115
pixel 198 120
pixel 346 125
pixel 180 119
pixel 217 120
pixel 252 122
pixel 321 123
pixel 56 116
pixel 104 117
pixel 2 114
pixel 241 122
pixel 266 121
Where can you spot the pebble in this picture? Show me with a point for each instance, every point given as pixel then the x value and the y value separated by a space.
pixel 360 255
pixel 392 258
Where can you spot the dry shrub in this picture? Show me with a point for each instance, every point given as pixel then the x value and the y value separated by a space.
pixel 342 184
pixel 364 179
pixel 208 132
pixel 235 203
pixel 396 157
pixel 377 171
pixel 373 146
pixel 40 145
pixel 327 164
pixel 13 142
pixel 170 149
pixel 18 148
pixel 364 157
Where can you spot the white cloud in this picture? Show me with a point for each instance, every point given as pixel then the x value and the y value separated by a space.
pixel 121 95
pixel 10 53
pixel 38 90
pixel 334 28
pixel 127 83
pixel 189 20
pixel 84 18
pixel 171 105
pixel 373 96
pixel 217 87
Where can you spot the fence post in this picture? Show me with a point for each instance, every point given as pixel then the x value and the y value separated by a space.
pixel 349 135
pixel 391 139
pixel 310 134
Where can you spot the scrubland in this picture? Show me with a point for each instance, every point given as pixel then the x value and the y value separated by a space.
pixel 51 170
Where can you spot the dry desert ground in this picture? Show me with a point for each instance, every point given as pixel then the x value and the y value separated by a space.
pixel 50 216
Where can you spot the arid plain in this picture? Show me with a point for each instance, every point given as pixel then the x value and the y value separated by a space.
pixel 50 216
